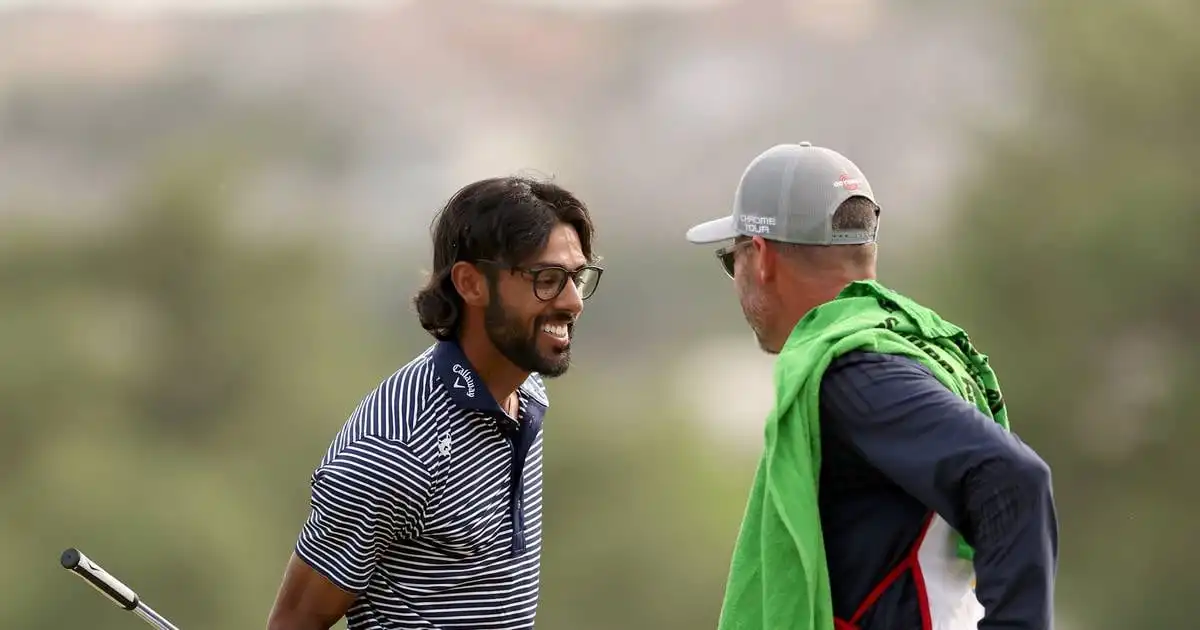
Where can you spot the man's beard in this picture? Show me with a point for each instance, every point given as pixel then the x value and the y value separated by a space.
pixel 519 343
pixel 754 309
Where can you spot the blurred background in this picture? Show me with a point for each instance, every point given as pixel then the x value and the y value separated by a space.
pixel 213 214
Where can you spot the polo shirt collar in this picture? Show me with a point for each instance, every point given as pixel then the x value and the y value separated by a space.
pixel 465 385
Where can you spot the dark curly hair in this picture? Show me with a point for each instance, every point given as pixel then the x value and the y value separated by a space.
pixel 506 219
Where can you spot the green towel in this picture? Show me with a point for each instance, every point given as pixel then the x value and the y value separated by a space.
pixel 778 577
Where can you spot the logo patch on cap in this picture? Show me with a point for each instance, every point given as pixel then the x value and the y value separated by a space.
pixel 754 224
pixel 845 181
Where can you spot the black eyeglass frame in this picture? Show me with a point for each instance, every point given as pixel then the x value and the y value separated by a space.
pixel 536 273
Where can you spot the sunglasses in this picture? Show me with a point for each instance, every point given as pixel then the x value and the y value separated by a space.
pixel 725 256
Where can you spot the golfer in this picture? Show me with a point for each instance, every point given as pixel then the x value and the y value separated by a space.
pixel 426 511
pixel 891 494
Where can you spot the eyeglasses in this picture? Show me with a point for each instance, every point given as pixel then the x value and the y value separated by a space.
pixel 550 280
pixel 725 256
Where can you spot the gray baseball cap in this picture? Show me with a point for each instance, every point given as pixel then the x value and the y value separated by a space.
pixel 789 194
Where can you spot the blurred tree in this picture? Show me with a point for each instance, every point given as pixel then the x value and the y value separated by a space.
pixel 168 385
pixel 1075 270
pixel 641 513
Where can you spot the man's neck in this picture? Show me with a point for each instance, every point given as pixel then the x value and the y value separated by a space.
pixel 499 375
pixel 809 293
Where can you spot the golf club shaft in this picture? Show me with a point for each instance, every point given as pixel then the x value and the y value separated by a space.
pixel 121 595
pixel 149 616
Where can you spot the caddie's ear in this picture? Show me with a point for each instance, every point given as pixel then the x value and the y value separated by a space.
pixel 470 283
pixel 767 257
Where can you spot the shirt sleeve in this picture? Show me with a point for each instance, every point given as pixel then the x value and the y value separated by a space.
pixel 368 495
pixel 984 481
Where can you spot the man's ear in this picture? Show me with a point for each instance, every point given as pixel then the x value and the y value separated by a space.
pixel 768 259
pixel 470 283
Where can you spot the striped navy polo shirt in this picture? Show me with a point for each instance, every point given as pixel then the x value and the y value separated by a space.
pixel 428 504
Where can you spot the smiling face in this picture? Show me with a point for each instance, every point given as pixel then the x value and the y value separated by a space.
pixel 511 272
pixel 531 313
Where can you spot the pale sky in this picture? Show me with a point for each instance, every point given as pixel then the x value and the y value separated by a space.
pixel 236 6
pixel 155 6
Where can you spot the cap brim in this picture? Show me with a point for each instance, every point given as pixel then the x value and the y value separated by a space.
pixel 713 231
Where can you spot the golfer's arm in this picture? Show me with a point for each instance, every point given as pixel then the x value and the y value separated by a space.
pixel 307 600
pixel 370 495
pixel 981 479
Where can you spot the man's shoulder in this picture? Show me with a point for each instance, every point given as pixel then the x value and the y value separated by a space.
pixel 871 359
pixel 412 383
pixel 859 370
pixel 393 409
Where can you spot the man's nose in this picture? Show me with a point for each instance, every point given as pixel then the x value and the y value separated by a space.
pixel 569 300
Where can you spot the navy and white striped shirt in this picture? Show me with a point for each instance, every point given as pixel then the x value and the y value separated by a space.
pixel 428 504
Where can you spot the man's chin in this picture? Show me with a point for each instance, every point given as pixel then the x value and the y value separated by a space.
pixel 554 363
pixel 764 346
pixel 556 367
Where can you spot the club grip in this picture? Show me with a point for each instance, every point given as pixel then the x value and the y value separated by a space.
pixel 73 560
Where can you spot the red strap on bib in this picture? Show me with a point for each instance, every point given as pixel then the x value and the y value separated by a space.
pixel 908 563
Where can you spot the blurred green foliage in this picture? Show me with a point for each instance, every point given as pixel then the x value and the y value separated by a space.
pixel 1075 267
pixel 165 389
